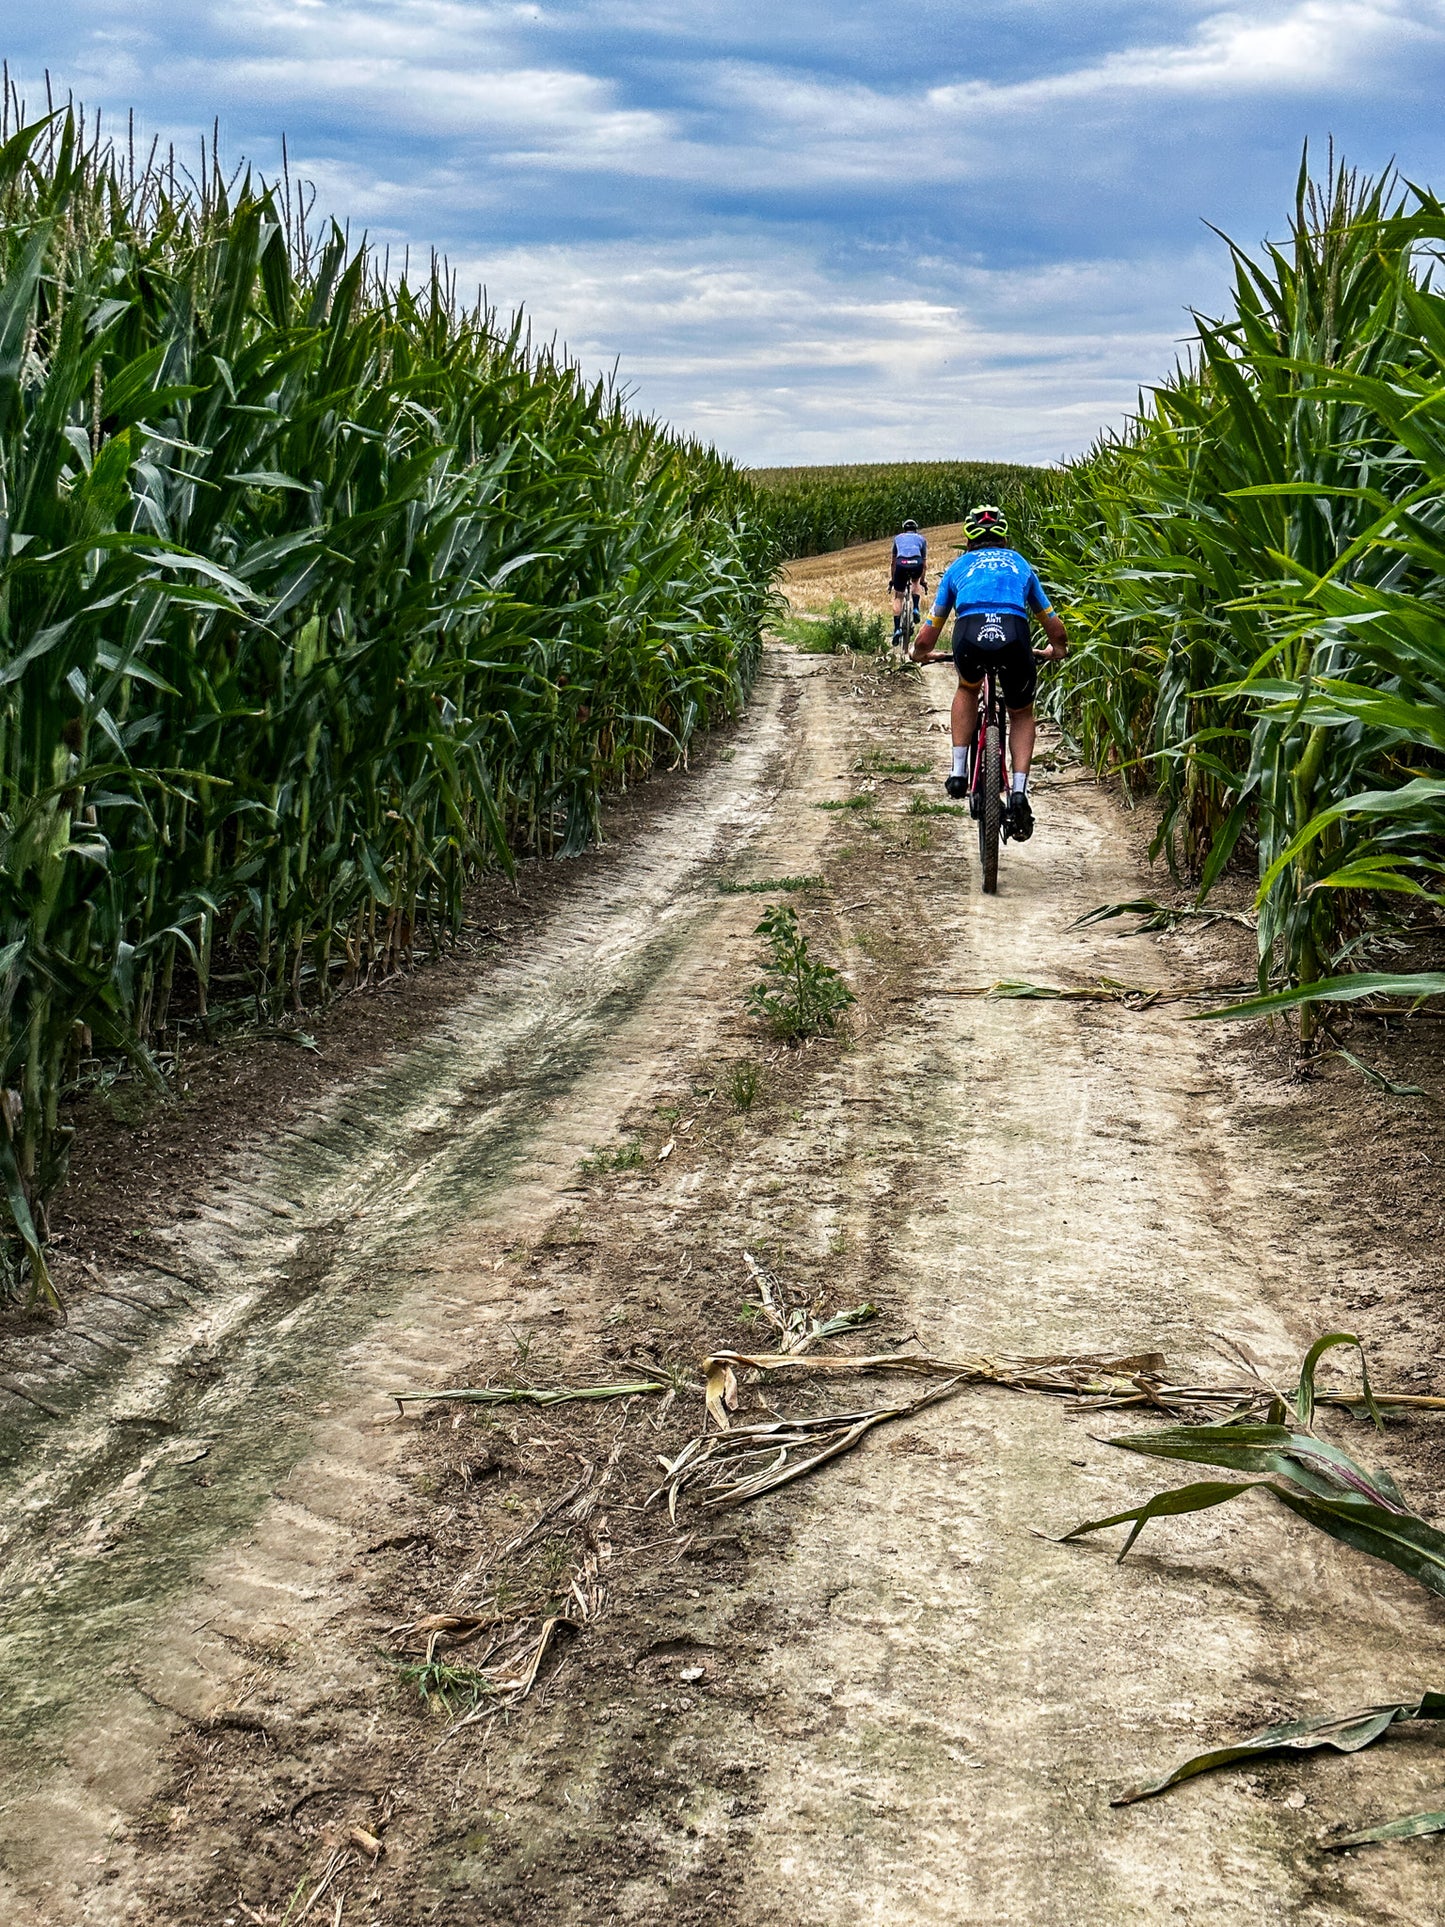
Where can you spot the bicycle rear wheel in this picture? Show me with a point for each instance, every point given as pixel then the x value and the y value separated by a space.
pixel 990 807
pixel 905 625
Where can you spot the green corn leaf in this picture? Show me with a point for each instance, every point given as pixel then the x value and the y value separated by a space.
pixel 1305 1396
pixel 1332 990
pixel 1164 1505
pixel 1378 1078
pixel 1410 1827
pixel 1339 1732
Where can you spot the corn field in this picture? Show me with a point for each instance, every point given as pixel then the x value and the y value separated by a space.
pixel 1257 567
pixel 813 510
pixel 318 592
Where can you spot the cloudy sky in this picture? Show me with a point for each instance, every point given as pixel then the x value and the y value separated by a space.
pixel 810 230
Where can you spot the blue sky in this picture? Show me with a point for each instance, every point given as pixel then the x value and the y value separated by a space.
pixel 811 230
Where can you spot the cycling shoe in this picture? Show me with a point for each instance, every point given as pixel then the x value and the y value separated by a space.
pixel 1020 818
pixel 956 785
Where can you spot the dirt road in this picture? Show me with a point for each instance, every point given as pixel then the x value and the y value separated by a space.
pixel 878 1697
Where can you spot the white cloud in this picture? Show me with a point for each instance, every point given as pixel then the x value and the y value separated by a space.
pixel 760 348
pixel 798 236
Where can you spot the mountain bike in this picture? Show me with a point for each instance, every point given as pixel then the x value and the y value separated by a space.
pixel 908 620
pixel 988 771
pixel 986 792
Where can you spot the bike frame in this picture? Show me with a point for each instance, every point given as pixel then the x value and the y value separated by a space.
pixel 908 618
pixel 991 709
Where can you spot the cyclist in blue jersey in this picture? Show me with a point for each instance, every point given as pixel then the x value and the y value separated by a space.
pixel 992 591
pixel 907 572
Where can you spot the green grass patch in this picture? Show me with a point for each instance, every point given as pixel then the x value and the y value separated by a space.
pixel 743 1084
pixel 445 1689
pixel 612 1157
pixel 767 886
pixel 876 763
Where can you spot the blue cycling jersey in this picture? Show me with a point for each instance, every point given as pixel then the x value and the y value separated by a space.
pixel 990 581
pixel 909 547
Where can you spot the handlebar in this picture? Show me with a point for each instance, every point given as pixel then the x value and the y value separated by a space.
pixel 922 662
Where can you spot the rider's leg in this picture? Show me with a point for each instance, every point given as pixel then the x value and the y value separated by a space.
pixel 897 612
pixel 1020 820
pixel 1021 734
pixel 964 721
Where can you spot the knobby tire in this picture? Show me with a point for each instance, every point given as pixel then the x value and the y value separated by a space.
pixel 990 808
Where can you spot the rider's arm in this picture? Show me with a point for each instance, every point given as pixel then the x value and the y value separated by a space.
pixel 1058 638
pixel 1054 629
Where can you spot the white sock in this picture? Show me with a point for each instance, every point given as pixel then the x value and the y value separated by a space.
pixel 960 761
pixel 1021 781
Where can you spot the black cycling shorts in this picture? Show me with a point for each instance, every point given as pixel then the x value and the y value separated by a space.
pixel 1012 660
pixel 904 573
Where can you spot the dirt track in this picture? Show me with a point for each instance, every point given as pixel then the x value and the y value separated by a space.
pixel 879 1697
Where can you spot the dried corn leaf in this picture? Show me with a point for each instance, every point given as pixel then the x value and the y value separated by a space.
pixel 1135 1379
pixel 795 1321
pixel 724 1466
pixel 721 1390
pixel 515 1662
pixel 1079 1376
pixel 448 1629
pixel 1105 991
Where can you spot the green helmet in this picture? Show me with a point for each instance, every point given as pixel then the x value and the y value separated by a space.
pixel 984 520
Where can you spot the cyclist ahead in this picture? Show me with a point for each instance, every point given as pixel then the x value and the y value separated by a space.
pixel 907 572
pixel 992 591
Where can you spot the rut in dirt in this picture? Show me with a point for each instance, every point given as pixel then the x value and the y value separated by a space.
pixel 213 1358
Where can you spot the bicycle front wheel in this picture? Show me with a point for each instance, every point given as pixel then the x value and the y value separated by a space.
pixel 990 807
